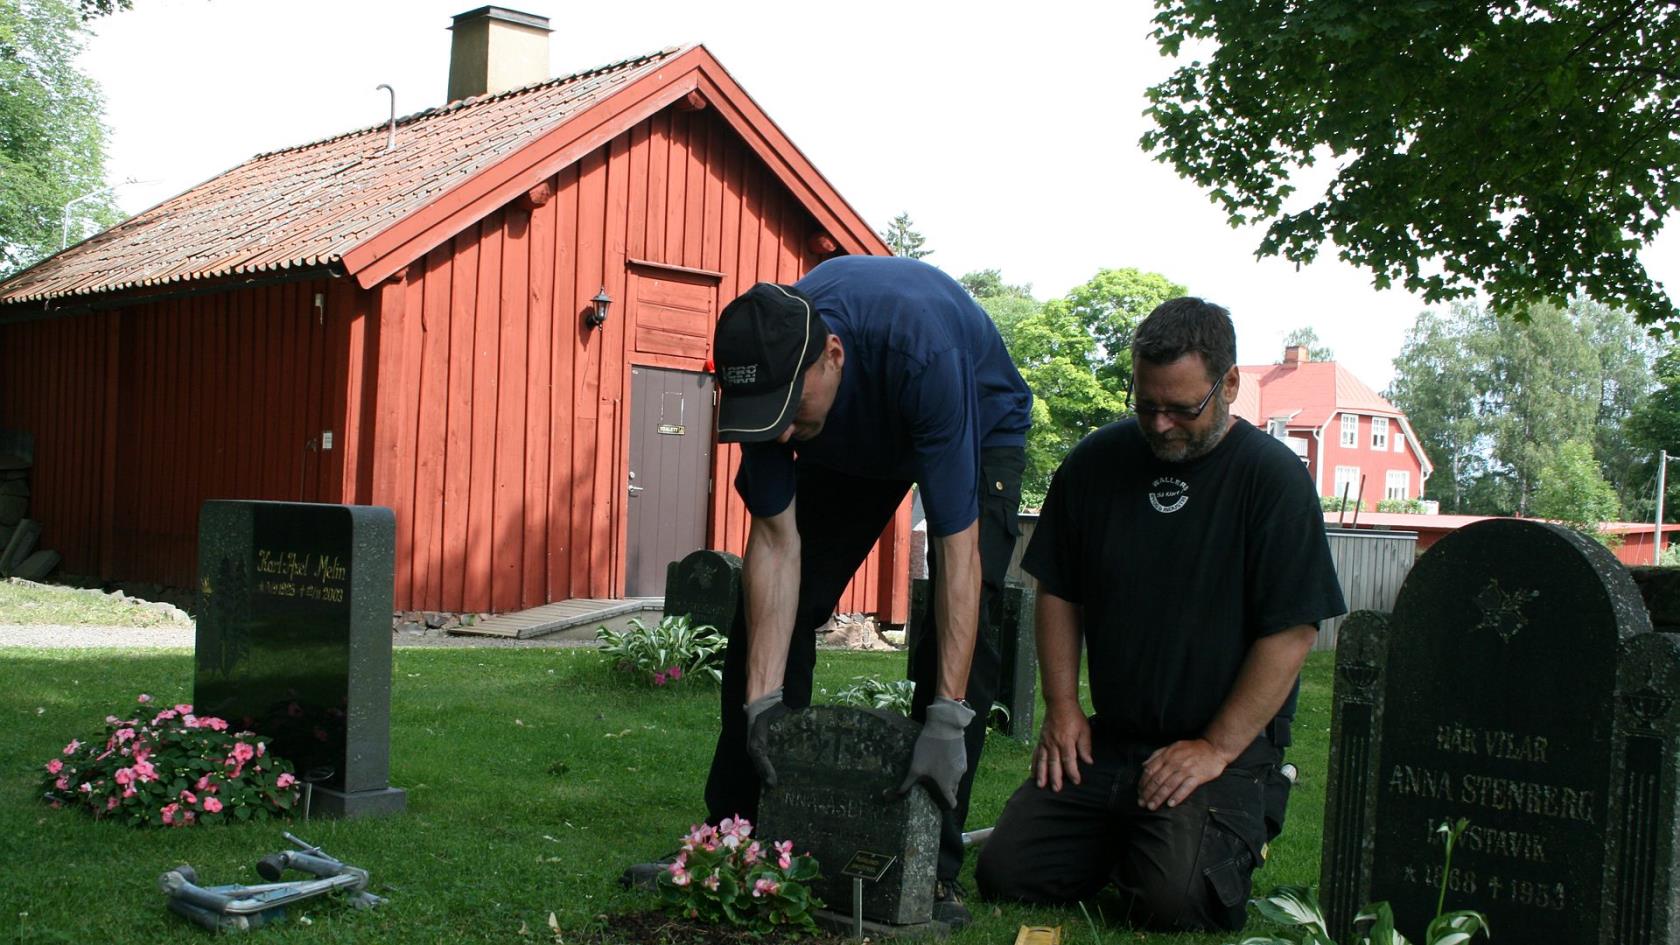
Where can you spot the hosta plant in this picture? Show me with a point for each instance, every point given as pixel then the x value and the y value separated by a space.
pixel 722 875
pixel 869 692
pixel 1296 911
pixel 670 651
pixel 169 767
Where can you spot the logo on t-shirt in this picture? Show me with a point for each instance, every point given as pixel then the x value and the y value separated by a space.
pixel 1168 494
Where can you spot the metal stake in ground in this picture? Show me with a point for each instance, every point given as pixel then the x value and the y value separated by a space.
pixel 861 867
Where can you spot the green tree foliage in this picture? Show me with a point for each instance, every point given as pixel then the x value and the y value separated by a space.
pixel 93 9
pixel 1494 400
pixel 1526 150
pixel 1655 426
pixel 52 146
pixel 1573 491
pixel 901 237
pixel 1307 338
pixel 1074 352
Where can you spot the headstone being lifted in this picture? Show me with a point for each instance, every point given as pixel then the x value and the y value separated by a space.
pixel 294 640
pixel 837 772
pixel 1517 685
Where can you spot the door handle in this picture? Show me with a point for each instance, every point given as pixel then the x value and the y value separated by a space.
pixel 635 489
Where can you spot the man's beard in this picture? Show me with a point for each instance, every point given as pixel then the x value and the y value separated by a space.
pixel 1179 445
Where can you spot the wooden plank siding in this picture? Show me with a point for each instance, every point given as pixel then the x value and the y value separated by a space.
pixel 511 416
pixel 1371 566
pixel 463 391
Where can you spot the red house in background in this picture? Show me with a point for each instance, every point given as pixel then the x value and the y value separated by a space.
pixel 409 319
pixel 1344 431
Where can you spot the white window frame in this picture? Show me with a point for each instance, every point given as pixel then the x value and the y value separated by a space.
pixel 1278 427
pixel 1400 440
pixel 1379 433
pixel 1398 484
pixel 1349 476
pixel 1350 429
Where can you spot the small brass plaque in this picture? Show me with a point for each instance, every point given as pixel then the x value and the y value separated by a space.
pixel 672 429
pixel 869 867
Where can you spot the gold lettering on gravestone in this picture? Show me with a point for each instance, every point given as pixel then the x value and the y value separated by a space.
pixel 303 576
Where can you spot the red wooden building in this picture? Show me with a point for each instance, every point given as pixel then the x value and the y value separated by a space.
pixel 405 320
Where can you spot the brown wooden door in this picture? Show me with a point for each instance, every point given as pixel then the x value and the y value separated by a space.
pixel 670 472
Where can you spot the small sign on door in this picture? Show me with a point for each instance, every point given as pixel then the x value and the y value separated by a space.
pixel 671 429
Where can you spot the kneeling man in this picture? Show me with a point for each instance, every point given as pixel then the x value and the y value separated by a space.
pixel 1186 549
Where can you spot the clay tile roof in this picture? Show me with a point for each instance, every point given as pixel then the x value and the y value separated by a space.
pixel 306 206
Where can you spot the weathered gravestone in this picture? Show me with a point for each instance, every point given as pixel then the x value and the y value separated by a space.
pixel 1518 685
pixel 294 640
pixel 837 772
pixel 1013 627
pixel 706 586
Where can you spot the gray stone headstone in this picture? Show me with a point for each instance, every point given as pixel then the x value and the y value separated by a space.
pixel 1012 624
pixel 1517 684
pixel 20 545
pixel 706 586
pixel 837 771
pixel 294 640
pixel 37 566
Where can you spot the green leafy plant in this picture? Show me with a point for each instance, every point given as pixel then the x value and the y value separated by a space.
pixel 869 692
pixel 1296 909
pixel 1335 503
pixel 1406 506
pixel 722 875
pixel 171 768
pixel 673 649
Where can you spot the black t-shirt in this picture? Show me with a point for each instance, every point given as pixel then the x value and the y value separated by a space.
pixel 1179 568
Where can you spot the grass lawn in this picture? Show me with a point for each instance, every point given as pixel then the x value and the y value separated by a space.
pixel 533 778
pixel 23 602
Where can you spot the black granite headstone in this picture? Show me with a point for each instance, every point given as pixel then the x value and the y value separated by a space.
pixel 706 586
pixel 837 771
pixel 1014 632
pixel 294 640
pixel 1517 685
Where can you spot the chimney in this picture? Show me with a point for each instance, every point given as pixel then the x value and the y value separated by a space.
pixel 1295 356
pixel 496 49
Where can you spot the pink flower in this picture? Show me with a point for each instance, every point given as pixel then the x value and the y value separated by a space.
pixel 111 803
pixel 784 854
pixel 144 770
pixel 679 871
pixel 143 699
pixel 70 749
pixel 55 766
pixel 63 783
pixel 285 780
pixel 124 776
pixel 111 720
pixel 212 723
pixel 203 783
pixel 212 806
pixel 752 853
pixel 188 817
pixel 659 679
pixel 190 721
pixel 129 792
pixel 185 708
pixel 262 747
pixel 711 881
pixel 86 788
pixel 242 753
pixel 674 673
pixel 188 797
pixel 163 716
pixel 169 811
pixel 763 886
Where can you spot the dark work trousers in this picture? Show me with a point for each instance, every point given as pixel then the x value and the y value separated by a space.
pixel 1185 868
pixel 840 517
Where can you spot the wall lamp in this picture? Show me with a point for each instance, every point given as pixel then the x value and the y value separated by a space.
pixel 597 316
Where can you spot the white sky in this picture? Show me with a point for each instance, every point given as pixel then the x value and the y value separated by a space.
pixel 1008 131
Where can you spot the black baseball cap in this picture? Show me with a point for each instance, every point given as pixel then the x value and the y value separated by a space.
pixel 765 340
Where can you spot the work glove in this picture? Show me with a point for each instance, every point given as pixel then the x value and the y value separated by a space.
pixel 939 758
pixel 760 713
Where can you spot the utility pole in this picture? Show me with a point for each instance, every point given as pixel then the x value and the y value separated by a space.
pixel 1662 486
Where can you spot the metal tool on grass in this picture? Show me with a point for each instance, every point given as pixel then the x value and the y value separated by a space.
pixel 240 908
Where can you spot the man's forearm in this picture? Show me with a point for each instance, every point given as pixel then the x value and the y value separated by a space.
pixel 1056 623
pixel 956 589
pixel 1268 673
pixel 770 575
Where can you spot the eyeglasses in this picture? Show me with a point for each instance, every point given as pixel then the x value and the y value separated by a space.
pixel 1183 414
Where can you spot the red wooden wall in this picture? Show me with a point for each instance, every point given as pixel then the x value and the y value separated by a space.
pixel 464 392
